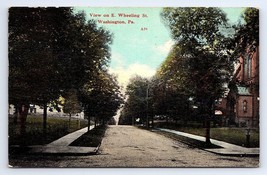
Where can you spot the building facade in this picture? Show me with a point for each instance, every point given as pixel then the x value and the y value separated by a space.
pixel 243 100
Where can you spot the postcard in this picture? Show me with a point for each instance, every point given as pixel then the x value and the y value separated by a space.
pixel 133 87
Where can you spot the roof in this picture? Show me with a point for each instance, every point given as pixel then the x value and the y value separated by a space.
pixel 241 90
pixel 218 112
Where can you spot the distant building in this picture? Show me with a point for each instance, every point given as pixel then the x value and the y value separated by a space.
pixel 39 110
pixel 221 117
pixel 243 99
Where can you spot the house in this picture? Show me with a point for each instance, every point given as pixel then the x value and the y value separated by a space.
pixel 220 113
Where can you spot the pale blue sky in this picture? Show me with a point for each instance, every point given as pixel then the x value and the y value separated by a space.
pixel 137 51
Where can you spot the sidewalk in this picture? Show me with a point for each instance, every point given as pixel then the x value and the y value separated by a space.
pixel 61 146
pixel 227 148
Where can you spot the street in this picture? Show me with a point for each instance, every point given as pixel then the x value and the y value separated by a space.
pixel 127 146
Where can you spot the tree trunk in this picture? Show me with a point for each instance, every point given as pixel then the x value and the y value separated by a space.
pixel 152 121
pixel 89 122
pixel 45 121
pixel 78 123
pixel 133 120
pixel 208 118
pixel 69 119
pixel 16 114
pixel 147 121
pixel 23 112
pixel 207 127
pixel 95 122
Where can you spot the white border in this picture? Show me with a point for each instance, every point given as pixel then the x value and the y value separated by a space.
pixel 128 3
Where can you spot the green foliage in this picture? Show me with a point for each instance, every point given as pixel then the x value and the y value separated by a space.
pixel 201 32
pixel 170 91
pixel 202 62
pixel 173 70
pixel 71 104
pixel 247 34
pixel 138 101
pixel 51 50
pixel 54 52
pixel 204 65
pixel 197 68
pixel 102 98
pixel 33 77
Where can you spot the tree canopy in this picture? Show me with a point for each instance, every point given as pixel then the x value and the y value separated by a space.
pixel 195 72
pixel 136 101
pixel 205 66
pixel 247 33
pixel 53 51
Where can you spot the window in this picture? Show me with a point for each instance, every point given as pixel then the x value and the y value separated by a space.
pixel 245 68
pixel 249 66
pixel 245 106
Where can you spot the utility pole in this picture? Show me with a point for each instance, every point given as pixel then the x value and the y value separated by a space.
pixel 147 95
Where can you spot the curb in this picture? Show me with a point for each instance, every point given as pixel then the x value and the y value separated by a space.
pixel 223 151
pixel 226 152
pixel 54 150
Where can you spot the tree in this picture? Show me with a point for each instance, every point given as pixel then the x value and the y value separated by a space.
pixel 170 91
pixel 33 74
pixel 71 104
pixel 109 96
pixel 101 98
pixel 247 33
pixel 203 50
pixel 137 104
pixel 53 51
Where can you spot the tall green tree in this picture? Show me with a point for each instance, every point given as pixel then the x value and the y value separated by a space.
pixel 170 89
pixel 33 74
pixel 71 104
pixel 52 51
pixel 247 33
pixel 203 48
pixel 137 103
pixel 102 98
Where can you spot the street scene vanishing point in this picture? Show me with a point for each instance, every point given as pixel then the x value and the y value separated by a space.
pixel 106 87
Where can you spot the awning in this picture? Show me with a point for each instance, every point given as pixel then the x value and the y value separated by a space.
pixel 218 112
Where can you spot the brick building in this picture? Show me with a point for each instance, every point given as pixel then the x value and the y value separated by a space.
pixel 243 101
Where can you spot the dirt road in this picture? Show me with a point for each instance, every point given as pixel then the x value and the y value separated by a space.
pixel 127 146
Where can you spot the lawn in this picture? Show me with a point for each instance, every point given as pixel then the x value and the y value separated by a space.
pixel 56 128
pixel 91 138
pixel 231 135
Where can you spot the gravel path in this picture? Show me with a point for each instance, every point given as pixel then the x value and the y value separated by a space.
pixel 127 146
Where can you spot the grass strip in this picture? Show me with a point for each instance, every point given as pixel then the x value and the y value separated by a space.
pixel 232 135
pixel 191 142
pixel 56 127
pixel 92 138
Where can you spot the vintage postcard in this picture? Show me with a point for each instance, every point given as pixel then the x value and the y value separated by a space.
pixel 128 87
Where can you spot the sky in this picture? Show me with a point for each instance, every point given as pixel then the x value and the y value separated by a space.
pixel 141 41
